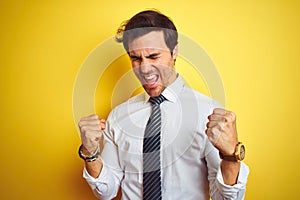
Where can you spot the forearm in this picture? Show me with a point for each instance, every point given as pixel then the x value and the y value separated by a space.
pixel 103 180
pixel 230 171
pixel 219 190
pixel 94 168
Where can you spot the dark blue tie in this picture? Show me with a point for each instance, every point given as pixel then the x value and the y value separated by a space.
pixel 151 152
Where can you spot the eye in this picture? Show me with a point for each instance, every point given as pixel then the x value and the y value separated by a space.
pixel 153 56
pixel 135 58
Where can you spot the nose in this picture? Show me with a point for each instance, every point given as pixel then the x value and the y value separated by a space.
pixel 145 61
pixel 145 66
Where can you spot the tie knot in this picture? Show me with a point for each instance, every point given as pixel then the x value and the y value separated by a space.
pixel 157 100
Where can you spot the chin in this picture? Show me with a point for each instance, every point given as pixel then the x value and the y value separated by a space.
pixel 154 92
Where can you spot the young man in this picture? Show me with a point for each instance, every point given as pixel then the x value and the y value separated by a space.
pixel 165 143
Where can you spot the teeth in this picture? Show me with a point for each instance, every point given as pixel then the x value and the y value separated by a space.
pixel 149 77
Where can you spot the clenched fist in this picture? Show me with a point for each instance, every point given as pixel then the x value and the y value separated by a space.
pixel 91 128
pixel 221 130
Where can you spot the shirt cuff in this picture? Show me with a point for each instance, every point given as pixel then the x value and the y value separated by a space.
pixel 230 191
pixel 101 182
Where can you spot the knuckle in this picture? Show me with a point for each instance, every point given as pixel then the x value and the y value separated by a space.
pixel 84 129
pixel 95 116
pixel 231 115
pixel 207 124
pixel 207 131
pixel 81 123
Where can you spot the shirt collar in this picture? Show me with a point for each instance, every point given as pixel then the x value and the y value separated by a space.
pixel 171 92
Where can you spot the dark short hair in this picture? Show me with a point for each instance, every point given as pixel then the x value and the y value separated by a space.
pixel 146 22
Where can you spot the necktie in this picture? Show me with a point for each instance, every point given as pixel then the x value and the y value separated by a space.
pixel 151 152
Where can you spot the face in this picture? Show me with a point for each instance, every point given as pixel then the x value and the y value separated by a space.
pixel 152 62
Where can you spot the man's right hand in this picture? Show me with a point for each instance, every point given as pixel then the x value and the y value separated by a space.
pixel 91 128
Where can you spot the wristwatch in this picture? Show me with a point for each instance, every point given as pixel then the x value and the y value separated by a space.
pixel 88 158
pixel 239 154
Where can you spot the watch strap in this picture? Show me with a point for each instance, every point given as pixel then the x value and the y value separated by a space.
pixel 228 158
pixel 237 156
pixel 88 158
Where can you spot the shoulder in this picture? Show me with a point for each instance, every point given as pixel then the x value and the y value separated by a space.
pixel 124 108
pixel 199 105
pixel 201 100
pixel 121 115
pixel 133 101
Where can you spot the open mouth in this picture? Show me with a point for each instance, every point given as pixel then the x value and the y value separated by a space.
pixel 150 79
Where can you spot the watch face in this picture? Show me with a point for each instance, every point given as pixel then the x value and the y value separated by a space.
pixel 242 152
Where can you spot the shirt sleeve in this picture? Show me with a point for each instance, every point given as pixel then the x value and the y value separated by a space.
pixel 236 191
pixel 107 184
pixel 218 189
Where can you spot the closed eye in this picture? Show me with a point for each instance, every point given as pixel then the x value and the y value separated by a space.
pixel 135 58
pixel 153 56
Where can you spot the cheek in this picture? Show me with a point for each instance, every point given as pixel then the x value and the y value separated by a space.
pixel 134 64
pixel 136 71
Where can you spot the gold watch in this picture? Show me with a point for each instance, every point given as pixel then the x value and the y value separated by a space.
pixel 239 154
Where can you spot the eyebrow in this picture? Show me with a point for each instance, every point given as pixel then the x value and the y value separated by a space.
pixel 151 55
pixel 135 57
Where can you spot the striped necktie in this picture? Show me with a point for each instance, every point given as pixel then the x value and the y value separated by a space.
pixel 151 152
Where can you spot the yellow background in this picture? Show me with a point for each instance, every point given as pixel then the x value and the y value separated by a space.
pixel 255 46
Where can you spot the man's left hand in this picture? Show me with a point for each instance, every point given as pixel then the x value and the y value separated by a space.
pixel 221 130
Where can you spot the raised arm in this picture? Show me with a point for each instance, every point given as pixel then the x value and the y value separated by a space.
pixel 103 173
pixel 230 180
pixel 91 128
pixel 221 131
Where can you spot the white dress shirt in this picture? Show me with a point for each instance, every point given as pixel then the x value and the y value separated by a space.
pixel 190 164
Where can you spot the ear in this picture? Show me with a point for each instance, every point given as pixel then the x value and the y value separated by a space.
pixel 175 52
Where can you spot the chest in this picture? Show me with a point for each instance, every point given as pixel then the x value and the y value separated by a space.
pixel 182 136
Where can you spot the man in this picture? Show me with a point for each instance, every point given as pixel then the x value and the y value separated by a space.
pixel 165 143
